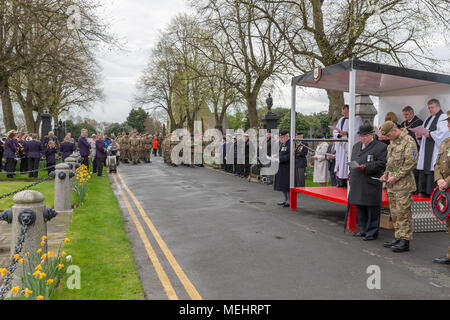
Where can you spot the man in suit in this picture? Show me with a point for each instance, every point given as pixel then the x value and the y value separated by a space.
pixel 100 153
pixel 365 191
pixel 282 177
pixel 11 146
pixel 84 148
pixel 301 151
pixel 33 152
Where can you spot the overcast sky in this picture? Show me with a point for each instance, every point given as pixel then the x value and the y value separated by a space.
pixel 136 23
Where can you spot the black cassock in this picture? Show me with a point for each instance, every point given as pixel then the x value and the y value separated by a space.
pixel 365 192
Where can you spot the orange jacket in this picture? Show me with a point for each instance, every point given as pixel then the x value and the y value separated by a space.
pixel 155 143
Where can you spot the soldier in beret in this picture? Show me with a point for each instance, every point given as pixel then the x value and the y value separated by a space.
pixel 400 183
pixel 442 178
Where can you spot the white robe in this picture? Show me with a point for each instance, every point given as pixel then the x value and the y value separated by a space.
pixel 321 164
pixel 341 167
pixel 440 134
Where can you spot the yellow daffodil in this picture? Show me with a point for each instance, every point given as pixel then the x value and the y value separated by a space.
pixel 42 243
pixel 42 275
pixel 3 271
pixel 44 256
pixel 44 238
pixel 16 257
pixel 21 261
pixel 51 254
pixel 39 251
pixel 60 266
pixel 40 298
pixel 27 292
pixel 63 254
pixel 66 240
pixel 36 274
pixel 27 254
pixel 49 281
pixel 38 267
pixel 15 290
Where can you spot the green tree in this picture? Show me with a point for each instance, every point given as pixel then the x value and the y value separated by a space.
pixel 75 129
pixel 136 119
pixel 117 128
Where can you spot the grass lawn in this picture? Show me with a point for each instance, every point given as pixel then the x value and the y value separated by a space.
pixel 101 248
pixel 24 177
pixel 99 244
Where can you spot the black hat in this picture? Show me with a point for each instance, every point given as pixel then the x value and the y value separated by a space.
pixel 365 129
pixel 299 133
pixel 283 132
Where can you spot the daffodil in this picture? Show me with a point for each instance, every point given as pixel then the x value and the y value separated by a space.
pixel 63 253
pixel 36 274
pixel 42 275
pixel 49 281
pixel 39 251
pixel 16 257
pixel 15 290
pixel 42 243
pixel 60 266
pixel 66 240
pixel 3 271
pixel 44 238
pixel 38 267
pixel 44 256
pixel 40 298
pixel 21 261
pixel 51 254
pixel 27 292
pixel 27 254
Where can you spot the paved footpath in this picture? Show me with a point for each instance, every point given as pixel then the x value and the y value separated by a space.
pixel 203 234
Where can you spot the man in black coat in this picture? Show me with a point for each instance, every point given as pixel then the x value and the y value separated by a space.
pixel 282 177
pixel 100 153
pixel 300 161
pixel 33 152
pixel 365 191
pixel 331 158
pixel 84 147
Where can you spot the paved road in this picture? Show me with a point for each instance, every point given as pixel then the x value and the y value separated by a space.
pixel 200 233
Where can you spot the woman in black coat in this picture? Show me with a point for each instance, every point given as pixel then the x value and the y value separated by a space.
pixel 282 177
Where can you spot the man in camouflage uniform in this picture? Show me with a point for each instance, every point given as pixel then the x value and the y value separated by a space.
pixel 148 143
pixel 442 178
pixel 134 148
pixel 166 149
pixel 400 183
pixel 125 145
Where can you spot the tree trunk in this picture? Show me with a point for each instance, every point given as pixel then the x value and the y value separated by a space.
pixel 252 112
pixel 336 99
pixel 29 120
pixel 8 115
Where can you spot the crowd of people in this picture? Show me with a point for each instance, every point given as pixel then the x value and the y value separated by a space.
pixel 28 150
pixel 406 159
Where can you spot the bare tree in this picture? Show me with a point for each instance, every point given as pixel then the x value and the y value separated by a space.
pixel 325 32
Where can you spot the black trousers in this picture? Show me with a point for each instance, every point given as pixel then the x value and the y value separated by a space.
pixel 426 183
pixel 33 166
pixel 369 220
pixel 85 161
pixel 94 165
pixel 246 169
pixel 24 165
pixel 1 160
pixel 10 167
pixel 341 183
pixel 333 178
pixel 99 166
pixel 50 164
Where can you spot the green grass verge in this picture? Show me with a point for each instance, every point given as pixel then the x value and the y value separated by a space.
pixel 47 188
pixel 101 248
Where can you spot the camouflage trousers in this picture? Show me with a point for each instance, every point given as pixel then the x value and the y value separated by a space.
pixel 135 155
pixel 400 206
pixel 146 154
pixel 125 154
pixel 448 228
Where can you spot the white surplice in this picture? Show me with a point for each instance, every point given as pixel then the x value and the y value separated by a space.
pixel 341 167
pixel 440 134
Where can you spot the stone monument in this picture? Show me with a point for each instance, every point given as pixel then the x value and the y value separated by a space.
pixel 270 119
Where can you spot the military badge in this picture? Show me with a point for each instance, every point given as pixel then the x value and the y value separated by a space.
pixel 317 74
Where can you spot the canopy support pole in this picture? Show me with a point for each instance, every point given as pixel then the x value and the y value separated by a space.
pixel 292 136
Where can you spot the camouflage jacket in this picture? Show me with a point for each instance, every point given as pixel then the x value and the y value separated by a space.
pixel 442 166
pixel 402 159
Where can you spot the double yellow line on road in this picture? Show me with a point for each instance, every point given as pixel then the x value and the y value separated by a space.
pixel 165 281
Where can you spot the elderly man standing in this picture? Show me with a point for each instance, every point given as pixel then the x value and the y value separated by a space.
pixel 341 167
pixel 401 161
pixel 282 177
pixel 365 191
pixel 84 147
pixel 429 147
pixel 442 178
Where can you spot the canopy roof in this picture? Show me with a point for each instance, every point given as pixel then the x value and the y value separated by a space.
pixel 371 78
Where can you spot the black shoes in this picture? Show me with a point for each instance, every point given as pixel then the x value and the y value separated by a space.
pixel 391 243
pixel 401 246
pixel 281 203
pixel 359 234
pixel 443 260
pixel 369 238
pixel 286 204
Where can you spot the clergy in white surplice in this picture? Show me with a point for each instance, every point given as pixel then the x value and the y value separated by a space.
pixel 430 142
pixel 341 167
